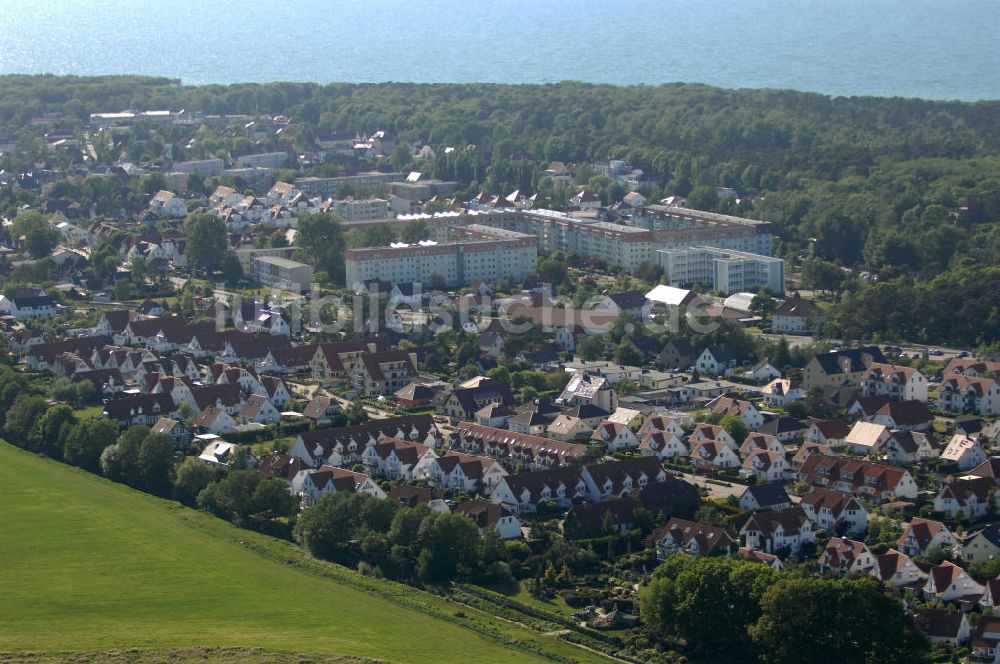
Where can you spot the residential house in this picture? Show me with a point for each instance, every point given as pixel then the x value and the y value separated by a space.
pixel 964 452
pixel 585 388
pixel 795 316
pixel 943 625
pixel 715 361
pixel 836 512
pixel 167 204
pixel 896 382
pixel 513 448
pixel 327 479
pixel 524 492
pixel 344 445
pixel 662 445
pixel 867 439
pixel 681 535
pixel 614 436
pixel 948 582
pixel 770 496
pixel 756 442
pixel 846 557
pixel 828 432
pixel 144 409
pixel 906 448
pixel 965 394
pixel 569 428
pixel 385 372
pixel 970 497
pixel 786 429
pixel 765 465
pixel 897 570
pixel 677 354
pixel 463 402
pixel 780 392
pixel 321 409
pixel 876 482
pixel 393 458
pixel 905 416
pixel 982 546
pixel 839 368
pixel 487 515
pixel 990 601
pixel 704 431
pixel 713 455
pixel 772 531
pixel 806 450
pixel 920 535
pixel 218 453
pixel 215 420
pixel 985 640
pixel 758 556
pixel 763 371
pixel 457 471
pixel 257 409
pixel 745 410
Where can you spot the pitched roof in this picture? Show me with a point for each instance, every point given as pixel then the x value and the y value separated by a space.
pixel 769 494
pixel 853 359
pixel 907 413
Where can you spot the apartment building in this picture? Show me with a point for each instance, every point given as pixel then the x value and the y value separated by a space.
pixel 480 252
pixel 725 270
pixel 281 273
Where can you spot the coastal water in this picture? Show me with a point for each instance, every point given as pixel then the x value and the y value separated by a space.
pixel 913 48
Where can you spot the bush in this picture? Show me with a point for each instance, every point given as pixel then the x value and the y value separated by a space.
pixel 581 597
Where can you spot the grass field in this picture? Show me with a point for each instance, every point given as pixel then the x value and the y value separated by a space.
pixel 90 566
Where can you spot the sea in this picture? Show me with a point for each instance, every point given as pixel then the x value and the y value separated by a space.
pixel 943 49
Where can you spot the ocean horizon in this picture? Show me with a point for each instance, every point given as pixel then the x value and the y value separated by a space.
pixel 919 48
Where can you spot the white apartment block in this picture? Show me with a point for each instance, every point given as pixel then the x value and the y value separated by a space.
pixel 657 228
pixel 725 270
pixel 262 160
pixel 362 209
pixel 202 167
pixel 482 252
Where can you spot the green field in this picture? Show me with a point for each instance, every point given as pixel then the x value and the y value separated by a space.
pixel 92 566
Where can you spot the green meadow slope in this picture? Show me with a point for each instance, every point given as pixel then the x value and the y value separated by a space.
pixel 87 565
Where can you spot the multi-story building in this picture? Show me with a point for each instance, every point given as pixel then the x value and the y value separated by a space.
pixel 202 167
pixel 313 186
pixel 281 273
pixel 360 209
pixel 263 160
pixel 725 270
pixel 481 252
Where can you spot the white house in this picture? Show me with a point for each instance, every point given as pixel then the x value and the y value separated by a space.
pixel 715 361
pixel 772 531
pixel 780 392
pixel 615 436
pixel 836 512
pixel 765 465
pixel 713 455
pixel 662 445
pixel 948 581
pixel 962 393
pixel 866 438
pixel 921 534
pixel 846 557
pixel 971 497
pixel 964 451
pixel 896 382
pixel 896 569
pixel 167 204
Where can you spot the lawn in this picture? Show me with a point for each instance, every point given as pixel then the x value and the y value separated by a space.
pixel 90 566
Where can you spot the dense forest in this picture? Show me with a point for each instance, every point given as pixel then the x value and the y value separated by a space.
pixel 905 189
